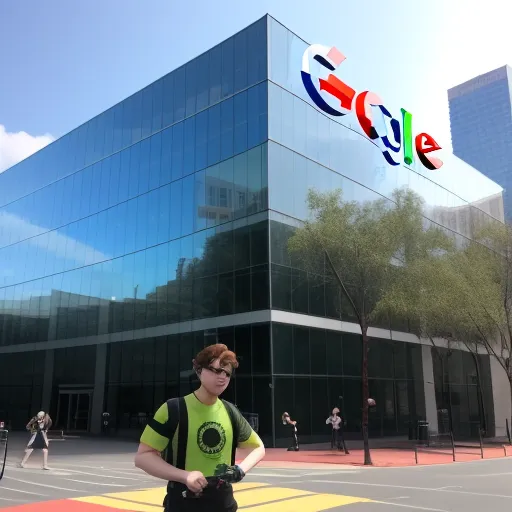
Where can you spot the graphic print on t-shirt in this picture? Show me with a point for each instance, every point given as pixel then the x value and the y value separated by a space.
pixel 211 439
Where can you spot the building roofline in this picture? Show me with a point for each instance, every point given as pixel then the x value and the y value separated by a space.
pixel 479 81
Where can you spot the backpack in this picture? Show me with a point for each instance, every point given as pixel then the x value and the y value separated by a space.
pixel 177 415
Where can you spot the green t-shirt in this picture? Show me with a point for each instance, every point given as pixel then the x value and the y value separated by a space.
pixel 210 435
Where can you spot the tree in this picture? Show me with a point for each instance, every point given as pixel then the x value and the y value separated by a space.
pixel 433 293
pixel 366 246
pixel 487 271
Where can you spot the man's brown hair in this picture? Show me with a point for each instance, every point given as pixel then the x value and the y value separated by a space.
pixel 217 351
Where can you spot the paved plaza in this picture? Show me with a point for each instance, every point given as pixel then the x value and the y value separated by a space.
pixel 99 476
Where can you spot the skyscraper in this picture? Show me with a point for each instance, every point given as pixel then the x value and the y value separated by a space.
pixel 481 125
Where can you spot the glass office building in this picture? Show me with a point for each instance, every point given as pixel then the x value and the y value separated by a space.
pixel 161 225
pixel 481 125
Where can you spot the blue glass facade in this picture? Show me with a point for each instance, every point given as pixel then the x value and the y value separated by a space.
pixel 481 126
pixel 161 225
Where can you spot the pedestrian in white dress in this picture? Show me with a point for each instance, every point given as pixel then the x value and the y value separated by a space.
pixel 38 427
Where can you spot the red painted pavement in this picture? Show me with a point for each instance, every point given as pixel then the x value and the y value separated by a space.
pixel 61 506
pixel 381 457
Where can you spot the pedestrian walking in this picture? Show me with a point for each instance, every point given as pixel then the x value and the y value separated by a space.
pixel 292 426
pixel 191 441
pixel 38 427
pixel 335 421
pixel 337 437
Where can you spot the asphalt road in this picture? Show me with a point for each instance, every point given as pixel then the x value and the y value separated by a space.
pixel 87 470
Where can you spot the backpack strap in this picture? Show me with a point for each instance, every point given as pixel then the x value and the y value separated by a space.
pixel 233 416
pixel 176 408
pixel 182 434
pixel 177 419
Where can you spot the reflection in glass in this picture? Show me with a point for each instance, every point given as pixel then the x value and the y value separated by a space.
pixel 228 67
pixel 191 277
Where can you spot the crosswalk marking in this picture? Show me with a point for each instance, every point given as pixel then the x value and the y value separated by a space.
pixel 309 503
pixel 147 496
pixel 120 504
pixel 265 495
pixel 253 496
pixel 243 486
pixel 156 496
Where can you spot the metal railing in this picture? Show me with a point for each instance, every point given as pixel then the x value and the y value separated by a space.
pixel 440 443
pixel 436 443
pixel 55 435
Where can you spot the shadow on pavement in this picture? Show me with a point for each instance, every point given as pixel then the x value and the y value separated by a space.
pixel 84 446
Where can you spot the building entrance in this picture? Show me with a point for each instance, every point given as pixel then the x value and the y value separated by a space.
pixel 74 410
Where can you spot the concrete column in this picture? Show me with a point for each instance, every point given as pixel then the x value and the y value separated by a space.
pixel 103 316
pixel 429 388
pixel 501 397
pixel 46 397
pixel 99 388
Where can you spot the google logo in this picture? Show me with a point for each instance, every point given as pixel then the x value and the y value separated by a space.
pixel 375 119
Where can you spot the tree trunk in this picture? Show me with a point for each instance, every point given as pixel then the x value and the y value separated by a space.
pixel 364 336
pixel 510 423
pixel 366 395
pixel 444 404
pixel 481 408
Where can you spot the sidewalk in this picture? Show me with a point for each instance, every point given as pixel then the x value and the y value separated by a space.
pixel 397 453
pixel 381 457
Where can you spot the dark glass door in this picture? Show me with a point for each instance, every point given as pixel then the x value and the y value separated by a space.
pixel 73 410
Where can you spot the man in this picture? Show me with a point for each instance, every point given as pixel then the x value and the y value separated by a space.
pixel 292 425
pixel 337 438
pixel 195 437
pixel 38 427
pixel 335 421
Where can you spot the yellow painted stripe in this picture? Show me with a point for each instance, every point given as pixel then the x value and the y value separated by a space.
pixel 266 495
pixel 310 503
pixel 243 486
pixel 123 505
pixel 150 496
pixel 156 495
pixel 257 497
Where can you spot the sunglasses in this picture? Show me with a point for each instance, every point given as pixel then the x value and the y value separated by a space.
pixel 219 371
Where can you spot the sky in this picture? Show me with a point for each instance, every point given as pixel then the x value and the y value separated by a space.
pixel 63 62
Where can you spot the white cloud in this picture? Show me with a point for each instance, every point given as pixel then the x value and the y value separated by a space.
pixel 14 147
pixel 63 246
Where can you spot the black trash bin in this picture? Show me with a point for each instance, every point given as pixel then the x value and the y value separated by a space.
pixel 412 431
pixel 423 431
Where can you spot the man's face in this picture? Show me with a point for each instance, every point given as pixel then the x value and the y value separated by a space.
pixel 215 378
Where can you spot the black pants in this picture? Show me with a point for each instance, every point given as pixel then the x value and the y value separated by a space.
pixel 295 439
pixel 335 439
pixel 212 500
pixel 338 440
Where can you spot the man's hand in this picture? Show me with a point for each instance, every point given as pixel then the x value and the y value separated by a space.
pixel 231 474
pixel 196 481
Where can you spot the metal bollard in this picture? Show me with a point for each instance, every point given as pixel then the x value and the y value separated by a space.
pixel 453 445
pixel 4 434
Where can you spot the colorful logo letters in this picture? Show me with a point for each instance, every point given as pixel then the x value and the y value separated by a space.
pixel 337 99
